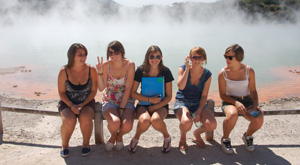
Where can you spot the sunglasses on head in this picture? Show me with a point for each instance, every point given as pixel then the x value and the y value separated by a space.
pixel 110 53
pixel 157 57
pixel 197 58
pixel 228 57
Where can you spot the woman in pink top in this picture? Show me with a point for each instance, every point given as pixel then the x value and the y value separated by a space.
pixel 238 92
pixel 115 78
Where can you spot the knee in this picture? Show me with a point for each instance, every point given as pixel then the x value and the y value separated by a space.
pixel 211 125
pixel 114 125
pixel 232 116
pixel 186 125
pixel 156 121
pixel 69 121
pixel 127 126
pixel 259 121
pixel 144 121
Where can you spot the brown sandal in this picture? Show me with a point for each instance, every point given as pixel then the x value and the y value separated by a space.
pixel 200 143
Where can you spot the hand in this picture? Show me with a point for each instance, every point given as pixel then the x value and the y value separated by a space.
pixel 240 107
pixel 187 62
pixel 99 65
pixel 151 109
pixel 155 99
pixel 197 116
pixel 74 109
pixel 259 109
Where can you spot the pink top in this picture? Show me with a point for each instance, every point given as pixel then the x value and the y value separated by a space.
pixel 115 88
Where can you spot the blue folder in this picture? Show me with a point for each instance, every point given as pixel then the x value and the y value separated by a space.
pixel 152 86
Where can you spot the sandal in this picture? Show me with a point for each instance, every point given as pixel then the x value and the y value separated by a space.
pixel 183 146
pixel 167 145
pixel 200 143
pixel 133 145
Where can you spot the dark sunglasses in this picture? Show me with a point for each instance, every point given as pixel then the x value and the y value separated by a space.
pixel 157 57
pixel 110 53
pixel 197 58
pixel 228 57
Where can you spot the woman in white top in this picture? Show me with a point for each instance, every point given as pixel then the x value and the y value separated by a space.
pixel 238 92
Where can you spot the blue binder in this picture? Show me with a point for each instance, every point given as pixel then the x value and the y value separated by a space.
pixel 152 86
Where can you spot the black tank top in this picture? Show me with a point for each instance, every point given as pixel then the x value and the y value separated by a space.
pixel 78 93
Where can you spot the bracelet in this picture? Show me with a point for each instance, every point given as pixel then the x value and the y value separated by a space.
pixel 121 109
pixel 100 74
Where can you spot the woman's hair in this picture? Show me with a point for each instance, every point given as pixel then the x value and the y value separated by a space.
pixel 199 51
pixel 146 65
pixel 116 46
pixel 72 51
pixel 238 50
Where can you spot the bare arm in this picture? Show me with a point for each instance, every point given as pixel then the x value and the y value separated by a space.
pixel 204 96
pixel 61 85
pixel 93 93
pixel 183 75
pixel 165 101
pixel 222 89
pixel 129 82
pixel 102 74
pixel 252 87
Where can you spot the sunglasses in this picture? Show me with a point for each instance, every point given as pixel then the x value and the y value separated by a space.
pixel 82 55
pixel 228 57
pixel 157 57
pixel 111 53
pixel 197 58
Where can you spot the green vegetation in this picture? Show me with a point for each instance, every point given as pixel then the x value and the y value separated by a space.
pixel 280 10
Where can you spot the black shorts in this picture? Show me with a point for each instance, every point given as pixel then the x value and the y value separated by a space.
pixel 62 105
pixel 146 106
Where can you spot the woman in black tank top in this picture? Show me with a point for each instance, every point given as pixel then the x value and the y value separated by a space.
pixel 77 87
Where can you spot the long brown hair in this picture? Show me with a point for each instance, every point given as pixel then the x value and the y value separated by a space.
pixel 146 64
pixel 72 51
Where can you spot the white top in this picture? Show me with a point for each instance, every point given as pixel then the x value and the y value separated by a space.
pixel 237 88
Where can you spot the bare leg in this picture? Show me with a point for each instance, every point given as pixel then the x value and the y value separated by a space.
pixel 143 123
pixel 186 123
pixel 209 123
pixel 157 121
pixel 230 120
pixel 86 125
pixel 113 120
pixel 67 127
pixel 127 123
pixel 255 124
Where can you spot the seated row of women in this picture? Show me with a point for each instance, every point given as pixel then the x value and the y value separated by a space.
pixel 119 82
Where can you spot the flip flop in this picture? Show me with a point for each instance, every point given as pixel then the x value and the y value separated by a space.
pixel 199 143
pixel 183 146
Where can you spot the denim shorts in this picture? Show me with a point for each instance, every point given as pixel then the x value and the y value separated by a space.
pixel 108 105
pixel 191 105
pixel 247 102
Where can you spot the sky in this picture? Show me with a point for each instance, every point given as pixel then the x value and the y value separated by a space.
pixel 140 3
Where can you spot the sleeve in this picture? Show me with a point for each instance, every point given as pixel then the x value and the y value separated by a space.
pixel 168 75
pixel 138 74
pixel 207 75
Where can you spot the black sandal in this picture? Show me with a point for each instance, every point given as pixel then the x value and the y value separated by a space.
pixel 168 148
pixel 132 149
